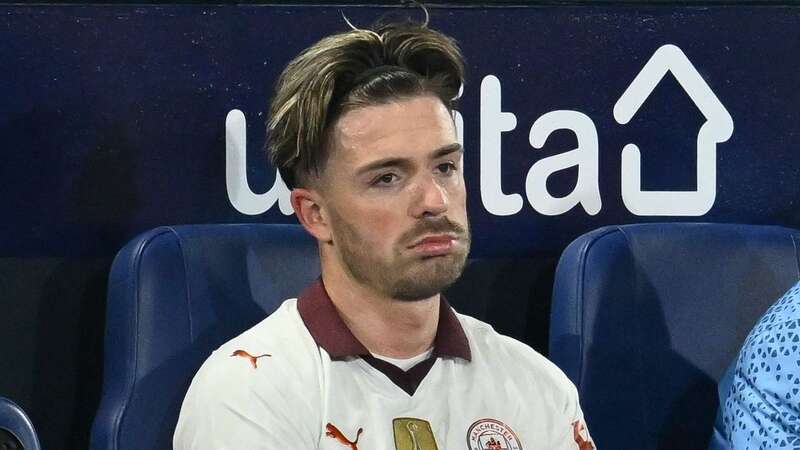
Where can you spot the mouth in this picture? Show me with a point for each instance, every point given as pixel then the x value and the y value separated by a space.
pixel 435 245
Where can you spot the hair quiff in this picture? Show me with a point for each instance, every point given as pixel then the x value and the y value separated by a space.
pixel 350 70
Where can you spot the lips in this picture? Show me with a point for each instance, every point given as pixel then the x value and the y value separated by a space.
pixel 436 245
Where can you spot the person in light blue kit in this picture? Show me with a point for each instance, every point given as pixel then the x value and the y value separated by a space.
pixel 762 409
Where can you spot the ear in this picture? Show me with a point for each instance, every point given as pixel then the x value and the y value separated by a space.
pixel 309 210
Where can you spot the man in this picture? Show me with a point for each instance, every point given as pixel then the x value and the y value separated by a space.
pixel 762 409
pixel 371 356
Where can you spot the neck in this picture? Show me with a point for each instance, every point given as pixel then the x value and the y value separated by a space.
pixel 384 325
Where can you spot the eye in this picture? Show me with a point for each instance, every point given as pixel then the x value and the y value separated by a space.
pixel 385 179
pixel 447 168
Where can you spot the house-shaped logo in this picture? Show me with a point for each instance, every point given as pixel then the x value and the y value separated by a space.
pixel 717 129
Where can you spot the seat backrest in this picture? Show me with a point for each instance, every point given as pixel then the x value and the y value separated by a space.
pixel 175 294
pixel 16 428
pixel 647 317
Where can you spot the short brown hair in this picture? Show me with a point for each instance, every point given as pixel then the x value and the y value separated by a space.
pixel 350 70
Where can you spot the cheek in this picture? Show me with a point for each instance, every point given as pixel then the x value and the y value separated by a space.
pixel 382 224
pixel 458 197
pixel 379 219
pixel 377 224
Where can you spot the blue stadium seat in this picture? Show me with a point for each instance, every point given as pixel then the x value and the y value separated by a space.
pixel 13 420
pixel 175 294
pixel 646 319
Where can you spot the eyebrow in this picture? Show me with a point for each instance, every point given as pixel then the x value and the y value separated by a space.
pixel 404 162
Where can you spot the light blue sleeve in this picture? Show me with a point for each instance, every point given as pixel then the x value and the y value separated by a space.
pixel 762 410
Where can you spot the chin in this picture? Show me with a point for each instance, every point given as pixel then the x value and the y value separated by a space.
pixel 427 281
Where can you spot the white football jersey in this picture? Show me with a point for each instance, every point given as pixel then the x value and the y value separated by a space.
pixel 300 380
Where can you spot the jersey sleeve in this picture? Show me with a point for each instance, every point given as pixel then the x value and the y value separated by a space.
pixel 231 405
pixel 573 433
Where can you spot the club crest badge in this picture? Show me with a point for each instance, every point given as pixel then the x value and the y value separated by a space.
pixel 413 434
pixel 491 434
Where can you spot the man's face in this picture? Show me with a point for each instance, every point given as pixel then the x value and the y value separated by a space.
pixel 393 190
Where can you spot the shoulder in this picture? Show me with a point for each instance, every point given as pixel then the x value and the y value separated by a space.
pixel 275 354
pixel 255 391
pixel 777 329
pixel 514 357
pixel 764 390
pixel 785 309
pixel 768 360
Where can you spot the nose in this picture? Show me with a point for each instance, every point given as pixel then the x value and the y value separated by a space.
pixel 431 199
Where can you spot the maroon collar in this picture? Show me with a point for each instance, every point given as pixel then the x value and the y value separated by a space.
pixel 330 332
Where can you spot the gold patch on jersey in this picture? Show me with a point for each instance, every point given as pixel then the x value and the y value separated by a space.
pixel 413 434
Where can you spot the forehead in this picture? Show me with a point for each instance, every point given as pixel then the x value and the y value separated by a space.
pixel 402 128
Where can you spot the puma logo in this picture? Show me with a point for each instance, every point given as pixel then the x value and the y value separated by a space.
pixel 334 432
pixel 577 432
pixel 253 359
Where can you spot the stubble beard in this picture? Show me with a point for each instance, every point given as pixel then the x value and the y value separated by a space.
pixel 405 277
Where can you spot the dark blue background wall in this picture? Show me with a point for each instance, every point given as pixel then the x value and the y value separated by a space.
pixel 113 121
